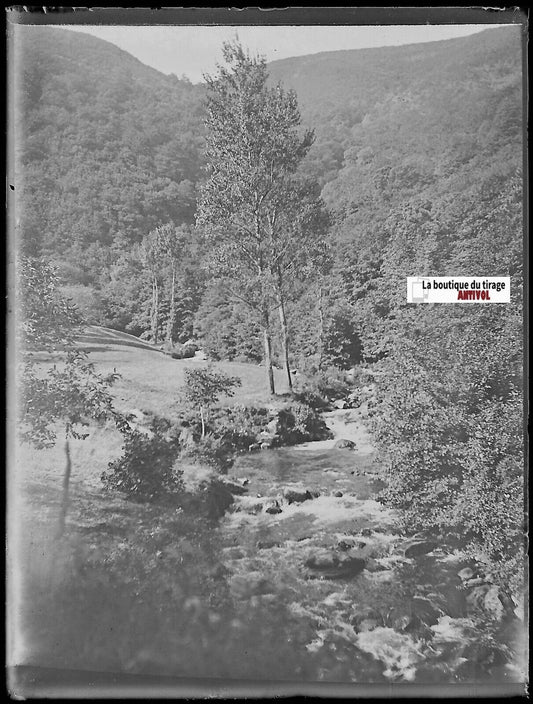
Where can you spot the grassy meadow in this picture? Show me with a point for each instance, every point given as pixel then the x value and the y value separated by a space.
pixel 130 587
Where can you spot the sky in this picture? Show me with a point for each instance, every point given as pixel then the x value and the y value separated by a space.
pixel 195 50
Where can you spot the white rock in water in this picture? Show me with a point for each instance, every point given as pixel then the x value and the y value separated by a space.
pixel 465 573
pixel 399 652
pixel 493 604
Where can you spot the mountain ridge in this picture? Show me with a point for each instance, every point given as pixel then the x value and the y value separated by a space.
pixel 111 148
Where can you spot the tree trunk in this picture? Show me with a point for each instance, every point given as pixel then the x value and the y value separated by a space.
pixel 284 331
pixel 284 340
pixel 154 315
pixel 268 353
pixel 64 497
pixel 321 328
pixel 172 311
pixel 203 420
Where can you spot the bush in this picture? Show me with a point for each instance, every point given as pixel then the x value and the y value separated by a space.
pixel 183 351
pixel 210 451
pixel 239 427
pixel 448 421
pixel 318 388
pixel 300 423
pixel 236 429
pixel 228 431
pixel 145 472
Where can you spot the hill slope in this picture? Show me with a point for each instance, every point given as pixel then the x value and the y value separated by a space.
pixel 400 98
pixel 108 148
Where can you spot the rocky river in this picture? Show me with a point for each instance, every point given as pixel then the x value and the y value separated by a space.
pixel 306 529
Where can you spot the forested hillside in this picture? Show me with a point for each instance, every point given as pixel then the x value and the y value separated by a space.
pixel 108 149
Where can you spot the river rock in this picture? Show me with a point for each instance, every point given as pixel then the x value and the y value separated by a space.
pixel 365 619
pixel 236 489
pixel 218 499
pixel 425 610
pixel 486 597
pixel 253 508
pixel 492 603
pixel 367 624
pixel 272 426
pixel 420 548
pixel 273 510
pixel 452 599
pixel 345 545
pixel 244 586
pixel 375 566
pixel 322 559
pixel 476 596
pixel 298 496
pixel 332 567
pixel 465 573
pixel 344 444
pixel 267 544
pixel 233 553
pixel 338 494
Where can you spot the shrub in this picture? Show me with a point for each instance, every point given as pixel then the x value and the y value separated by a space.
pixel 183 351
pixel 204 386
pixel 240 426
pixel 211 451
pixel 318 388
pixel 145 472
pixel 300 423
pixel 448 421
pixel 228 431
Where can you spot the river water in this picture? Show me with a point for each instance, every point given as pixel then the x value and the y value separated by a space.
pixel 308 521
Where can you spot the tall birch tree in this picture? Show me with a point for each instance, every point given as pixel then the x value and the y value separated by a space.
pixel 252 208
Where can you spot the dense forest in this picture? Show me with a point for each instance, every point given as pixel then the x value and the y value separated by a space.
pixel 416 165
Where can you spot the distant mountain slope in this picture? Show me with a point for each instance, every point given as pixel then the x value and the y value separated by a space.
pixel 107 148
pixel 410 94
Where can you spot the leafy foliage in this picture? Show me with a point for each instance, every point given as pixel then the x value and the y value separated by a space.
pixel 264 222
pixel 48 322
pixel 204 386
pixel 71 391
pixel 300 423
pixel 146 470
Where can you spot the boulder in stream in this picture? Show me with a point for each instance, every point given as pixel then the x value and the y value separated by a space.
pixel 344 444
pixel 273 510
pixel 346 545
pixel 298 496
pixel 428 612
pixel 331 566
pixel 234 488
pixel 465 573
pixel 267 544
pixel 244 586
pixel 419 548
pixel 366 619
